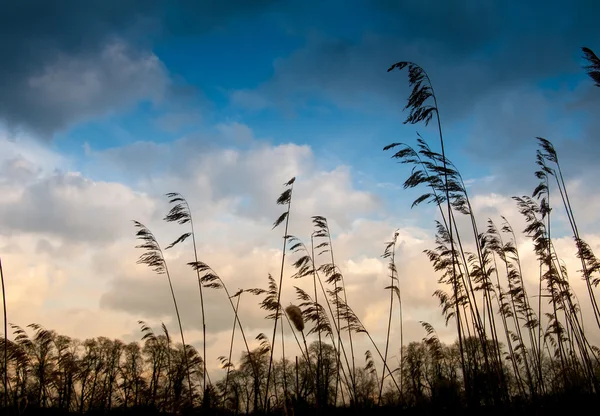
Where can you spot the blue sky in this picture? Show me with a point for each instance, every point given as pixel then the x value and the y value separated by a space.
pixel 108 105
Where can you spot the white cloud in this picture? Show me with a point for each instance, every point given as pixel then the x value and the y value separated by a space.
pixel 70 262
pixel 71 207
pixel 21 152
pixel 235 131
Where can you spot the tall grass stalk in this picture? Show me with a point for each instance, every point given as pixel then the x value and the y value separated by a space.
pixel 531 320
pixel 285 390
pixel 305 266
pixel 269 302
pixel 182 214
pixel 584 253
pixel 429 171
pixel 575 324
pixel 421 174
pixel 506 308
pixel 294 314
pixel 390 253
pixel 355 325
pixel 418 113
pixel 153 258
pixel 275 309
pixel 593 66
pixel 235 312
pixel 315 313
pixel 509 308
pixel 340 345
pixel 284 199
pixel 210 279
pixel 320 351
pixel 5 346
pixel 169 361
pixel 337 278
pixel 451 185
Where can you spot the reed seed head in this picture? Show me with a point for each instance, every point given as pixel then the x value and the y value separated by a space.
pixel 295 315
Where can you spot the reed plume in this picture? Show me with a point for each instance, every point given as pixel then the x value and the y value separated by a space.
pixel 421 112
pixel 153 258
pixel 181 213
pixel 593 68
pixel 284 199
pixel 210 279
pixel 390 253
pixel 5 346
pixel 295 314
pixel 227 363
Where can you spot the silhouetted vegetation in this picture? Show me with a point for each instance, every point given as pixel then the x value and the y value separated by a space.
pixel 514 351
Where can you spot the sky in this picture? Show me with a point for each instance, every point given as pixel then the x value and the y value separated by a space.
pixel 106 106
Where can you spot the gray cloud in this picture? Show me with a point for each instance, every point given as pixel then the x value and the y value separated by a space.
pixel 351 73
pixel 461 26
pixel 72 88
pixel 65 206
pixel 60 65
pixel 542 30
pixel 480 57
pixel 58 69
pixel 486 63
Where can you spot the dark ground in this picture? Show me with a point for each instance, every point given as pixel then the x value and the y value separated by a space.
pixel 564 405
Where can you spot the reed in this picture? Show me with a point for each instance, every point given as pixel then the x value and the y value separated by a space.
pixel 513 352
pixel 390 253
pixel 181 213
pixel 5 346
pixel 153 258
pixel 422 112
pixel 284 199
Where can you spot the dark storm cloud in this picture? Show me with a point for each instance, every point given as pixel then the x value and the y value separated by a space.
pixel 486 60
pixel 467 26
pixel 463 26
pixel 61 60
pixel 469 48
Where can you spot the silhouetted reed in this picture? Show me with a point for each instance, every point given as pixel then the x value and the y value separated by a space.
pixel 513 353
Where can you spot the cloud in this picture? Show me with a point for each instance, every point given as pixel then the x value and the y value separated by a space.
pixel 70 89
pixel 40 199
pixel 59 58
pixel 243 234
pixel 347 72
pixel 487 64
pixel 70 62
pixel 174 122
pixel 67 243
pixel 459 24
pixel 242 181
pixel 81 264
pixel 21 151
pixel 236 132
pixel 249 99
pixel 68 247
